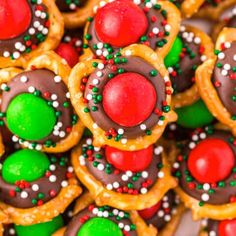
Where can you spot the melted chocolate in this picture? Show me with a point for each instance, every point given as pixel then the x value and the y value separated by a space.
pixel 110 177
pixel 64 6
pixel 42 80
pixel 224 84
pixel 35 34
pixel 222 194
pixel 232 22
pixel 184 71
pixel 9 230
pixel 153 41
pixel 160 221
pixel 44 184
pixel 136 65
pixel 75 224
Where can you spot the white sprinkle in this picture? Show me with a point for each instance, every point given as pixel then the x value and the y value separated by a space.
pixel 227 66
pixel 105 214
pixel 129 173
pixel 144 174
pixel 121 225
pixel 55 104
pixel 95 211
pixel 155 30
pixel 23 79
pixel 16 55
pixel 176 165
pixel 35 187
pixel 115 212
pixel 212 233
pixel 100 167
pixel 89 141
pixel 124 177
pixel 143 127
pixel 202 135
pixel 167 218
pixel 64 183
pixel 57 79
pixel 109 187
pixel 161 213
pixel 116 185
pixel 52 178
pixel 99 74
pixel 167 27
pixel 143 190
pixel 127 228
pixel 206 186
pixel 197 40
pixel 205 197
pixel 54 97
pixel 100 66
pixel 89 96
pixel 31 31
pixel 137 2
pixel 121 214
pixel 120 131
pixel 52 167
pixel 24 194
pixel 62 134
pixel 36 24
pixel 192 145
pixel 100 45
pixel 160 174
pixel 95 81
pixel 221 55
pixel 6 54
pixel 17 45
pixel 31 89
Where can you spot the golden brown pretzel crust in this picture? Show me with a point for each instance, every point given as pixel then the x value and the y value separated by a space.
pixel 213 13
pixel 51 61
pixel 103 196
pixel 191 95
pixel 173 19
pixel 85 68
pixel 216 212
pixel 85 200
pixel 171 227
pixel 206 88
pixel 189 7
pixel 56 31
pixel 45 212
pixel 80 16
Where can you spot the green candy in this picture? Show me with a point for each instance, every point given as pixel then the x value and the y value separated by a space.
pixel 172 57
pixel 42 229
pixel 194 116
pixel 30 117
pixel 99 227
pixel 28 165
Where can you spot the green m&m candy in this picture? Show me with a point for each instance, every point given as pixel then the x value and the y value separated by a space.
pixel 30 117
pixel 173 56
pixel 194 116
pixel 28 165
pixel 100 227
pixel 42 229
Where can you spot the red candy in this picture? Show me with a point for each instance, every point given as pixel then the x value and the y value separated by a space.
pixel 120 23
pixel 129 99
pixel 150 212
pixel 211 161
pixel 126 160
pixel 69 53
pixel 227 228
pixel 15 18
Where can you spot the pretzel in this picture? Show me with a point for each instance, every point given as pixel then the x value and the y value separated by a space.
pixel 86 68
pixel 191 95
pixel 45 212
pixel 188 8
pixel 53 37
pixel 79 17
pixel 173 20
pixel 213 12
pixel 124 201
pixel 141 228
pixel 223 21
pixel 206 88
pixel 171 227
pixel 48 60
pixel 203 209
